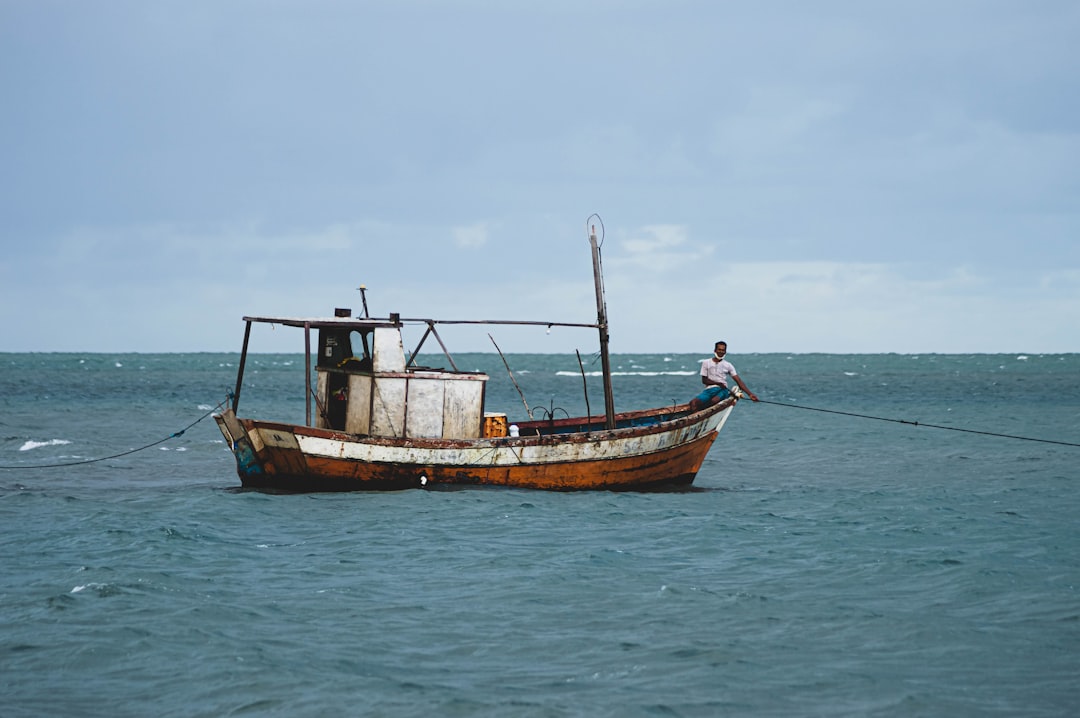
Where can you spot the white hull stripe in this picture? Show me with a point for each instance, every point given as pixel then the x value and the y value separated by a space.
pixel 495 452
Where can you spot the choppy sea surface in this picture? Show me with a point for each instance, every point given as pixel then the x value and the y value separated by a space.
pixel 825 564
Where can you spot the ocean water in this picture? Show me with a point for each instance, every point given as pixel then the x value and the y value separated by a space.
pixel 825 564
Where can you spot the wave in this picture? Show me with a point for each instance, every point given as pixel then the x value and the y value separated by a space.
pixel 38 444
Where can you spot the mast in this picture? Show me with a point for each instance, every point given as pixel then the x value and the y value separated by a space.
pixel 240 371
pixel 602 325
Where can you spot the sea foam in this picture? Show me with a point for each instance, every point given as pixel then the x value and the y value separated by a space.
pixel 38 444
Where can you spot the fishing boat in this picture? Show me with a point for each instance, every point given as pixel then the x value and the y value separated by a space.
pixel 375 420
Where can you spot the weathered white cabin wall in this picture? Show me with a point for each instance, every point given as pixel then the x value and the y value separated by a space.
pixel 358 415
pixel 388 352
pixel 388 406
pixel 427 405
pixel 463 408
pixel 425 411
pixel 320 391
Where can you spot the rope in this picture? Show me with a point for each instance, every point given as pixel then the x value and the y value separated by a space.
pixel 124 453
pixel 916 423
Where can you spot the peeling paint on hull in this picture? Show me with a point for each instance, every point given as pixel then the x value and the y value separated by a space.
pixel 666 453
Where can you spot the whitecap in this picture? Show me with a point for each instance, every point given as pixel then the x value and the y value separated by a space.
pixel 204 407
pixel 851 373
pixel 1022 357
pixel 118 365
pixel 38 444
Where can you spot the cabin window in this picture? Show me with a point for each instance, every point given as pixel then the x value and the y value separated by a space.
pixel 344 349
pixel 361 350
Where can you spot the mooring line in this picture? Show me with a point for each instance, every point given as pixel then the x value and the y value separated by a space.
pixel 124 453
pixel 919 423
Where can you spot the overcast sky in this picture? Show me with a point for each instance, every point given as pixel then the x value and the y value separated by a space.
pixel 841 176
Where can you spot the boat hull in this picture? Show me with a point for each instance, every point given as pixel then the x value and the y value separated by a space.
pixel 656 449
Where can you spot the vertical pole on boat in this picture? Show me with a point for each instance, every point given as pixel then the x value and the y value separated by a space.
pixel 602 325
pixel 240 371
pixel 363 298
pixel 307 371
pixel 584 383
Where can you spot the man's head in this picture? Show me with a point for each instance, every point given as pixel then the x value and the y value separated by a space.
pixel 720 350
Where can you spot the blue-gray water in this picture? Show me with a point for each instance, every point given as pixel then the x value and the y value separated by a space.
pixel 826 565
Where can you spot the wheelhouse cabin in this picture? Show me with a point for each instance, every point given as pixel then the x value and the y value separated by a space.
pixel 366 386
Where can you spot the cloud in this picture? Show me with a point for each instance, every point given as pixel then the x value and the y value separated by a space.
pixel 772 121
pixel 658 236
pixel 832 307
pixel 660 248
pixel 473 236
pixel 1064 281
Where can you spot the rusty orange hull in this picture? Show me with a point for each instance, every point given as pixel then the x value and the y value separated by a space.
pixel 647 450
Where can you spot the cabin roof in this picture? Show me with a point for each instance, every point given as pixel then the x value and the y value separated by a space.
pixel 370 323
pixel 326 322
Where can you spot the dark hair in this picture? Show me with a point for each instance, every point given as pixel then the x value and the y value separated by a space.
pixel 720 342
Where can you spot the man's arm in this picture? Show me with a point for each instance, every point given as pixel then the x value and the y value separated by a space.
pixel 739 381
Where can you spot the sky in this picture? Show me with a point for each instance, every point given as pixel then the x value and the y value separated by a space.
pixel 836 176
